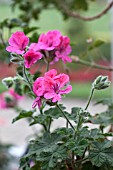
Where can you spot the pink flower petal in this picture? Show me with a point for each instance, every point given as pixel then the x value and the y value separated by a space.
pixel 37 102
pixel 56 98
pixel 52 73
pixel 31 57
pixel 49 95
pixel 61 80
pixel 67 90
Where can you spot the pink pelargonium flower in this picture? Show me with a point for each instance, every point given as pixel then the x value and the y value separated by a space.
pixel 54 46
pixel 31 57
pixel 63 50
pixel 18 42
pixel 51 87
pixel 49 41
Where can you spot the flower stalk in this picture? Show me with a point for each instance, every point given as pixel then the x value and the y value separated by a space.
pixel 65 117
pixel 26 77
pixel 91 95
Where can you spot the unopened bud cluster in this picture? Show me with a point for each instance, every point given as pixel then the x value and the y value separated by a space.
pixel 101 82
pixel 9 81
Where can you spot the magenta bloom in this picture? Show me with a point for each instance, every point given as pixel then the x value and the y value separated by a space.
pixel 57 46
pixel 18 42
pixel 51 87
pixel 31 57
pixel 64 49
pixel 49 41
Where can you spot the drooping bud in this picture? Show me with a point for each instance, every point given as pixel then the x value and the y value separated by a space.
pixel 101 82
pixel 8 82
pixel 16 59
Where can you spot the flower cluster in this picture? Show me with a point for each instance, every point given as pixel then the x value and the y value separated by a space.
pixel 9 99
pixel 50 87
pixel 51 46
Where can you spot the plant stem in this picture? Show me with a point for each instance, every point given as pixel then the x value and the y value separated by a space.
pixel 2 39
pixel 92 91
pixel 93 65
pixel 26 77
pixel 49 124
pixel 47 68
pixel 65 117
pixel 67 124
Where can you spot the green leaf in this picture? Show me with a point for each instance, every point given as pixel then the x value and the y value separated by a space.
pixel 24 114
pixel 45 144
pixel 47 150
pixel 65 132
pixel 25 163
pixel 101 152
pixel 28 30
pixel 54 112
pixel 95 134
pixel 78 146
pixel 50 159
pixel 34 37
pixel 41 119
pixel 78 115
pixel 96 44
pixel 103 119
pixel 105 101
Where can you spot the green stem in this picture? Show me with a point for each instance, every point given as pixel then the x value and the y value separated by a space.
pixel 75 136
pixel 9 32
pixel 67 124
pixel 44 126
pixel 47 68
pixel 2 39
pixel 93 65
pixel 92 91
pixel 49 124
pixel 65 117
pixel 26 77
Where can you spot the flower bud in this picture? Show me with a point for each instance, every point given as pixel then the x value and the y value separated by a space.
pixel 8 82
pixel 101 82
pixel 15 59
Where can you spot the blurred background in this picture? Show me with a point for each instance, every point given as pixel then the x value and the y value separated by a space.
pixel 79 32
pixel 18 15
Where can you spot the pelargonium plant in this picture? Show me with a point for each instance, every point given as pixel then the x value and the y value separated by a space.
pixel 75 146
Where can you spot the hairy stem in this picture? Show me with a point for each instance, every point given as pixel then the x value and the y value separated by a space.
pixel 2 39
pixel 26 77
pixel 47 68
pixel 91 95
pixel 49 124
pixel 65 116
